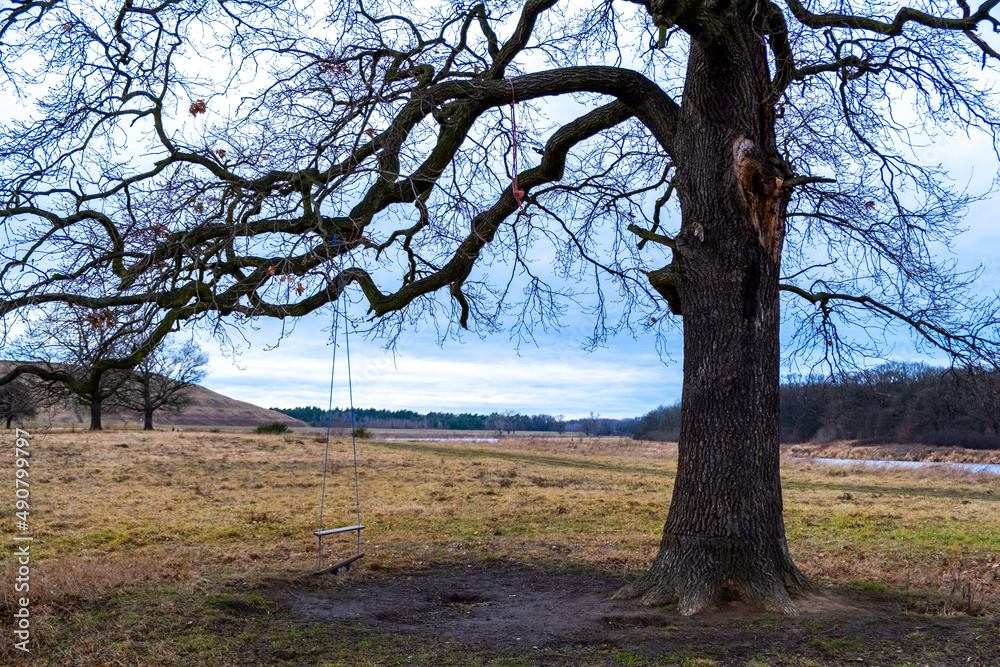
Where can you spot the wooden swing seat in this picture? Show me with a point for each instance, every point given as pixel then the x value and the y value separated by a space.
pixel 331 531
pixel 336 566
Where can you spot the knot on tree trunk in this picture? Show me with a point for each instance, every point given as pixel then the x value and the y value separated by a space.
pixel 666 282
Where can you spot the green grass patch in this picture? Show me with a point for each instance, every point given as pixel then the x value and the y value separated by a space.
pixel 866 586
pixel 836 645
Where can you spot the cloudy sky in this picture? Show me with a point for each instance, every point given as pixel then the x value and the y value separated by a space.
pixel 626 378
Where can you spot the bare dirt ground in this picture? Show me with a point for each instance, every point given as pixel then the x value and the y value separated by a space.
pixel 560 617
pixel 495 605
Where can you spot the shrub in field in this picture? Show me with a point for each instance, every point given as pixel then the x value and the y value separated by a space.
pixel 276 427
pixel 662 424
pixel 361 432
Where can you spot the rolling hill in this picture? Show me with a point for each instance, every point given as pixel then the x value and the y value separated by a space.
pixel 209 408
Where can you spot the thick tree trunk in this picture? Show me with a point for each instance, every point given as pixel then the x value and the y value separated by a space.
pixel 724 535
pixel 95 412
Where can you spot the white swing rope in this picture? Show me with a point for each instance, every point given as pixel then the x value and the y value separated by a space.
pixel 354 441
pixel 329 428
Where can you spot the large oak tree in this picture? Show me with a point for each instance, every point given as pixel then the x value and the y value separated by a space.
pixel 229 160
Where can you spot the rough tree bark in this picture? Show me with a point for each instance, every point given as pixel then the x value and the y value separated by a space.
pixel 724 534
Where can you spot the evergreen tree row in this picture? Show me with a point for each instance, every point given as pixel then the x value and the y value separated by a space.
pixel 376 418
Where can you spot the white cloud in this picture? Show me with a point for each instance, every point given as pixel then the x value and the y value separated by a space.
pixel 625 380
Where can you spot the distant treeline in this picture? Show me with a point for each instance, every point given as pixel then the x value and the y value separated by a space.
pixel 376 418
pixel 903 403
pixel 892 403
pixel 508 421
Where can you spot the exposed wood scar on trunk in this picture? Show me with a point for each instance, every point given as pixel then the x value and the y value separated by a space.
pixel 764 195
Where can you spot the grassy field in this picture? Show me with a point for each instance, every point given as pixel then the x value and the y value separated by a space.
pixel 192 548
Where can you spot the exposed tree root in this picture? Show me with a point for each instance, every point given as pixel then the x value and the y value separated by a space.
pixel 699 572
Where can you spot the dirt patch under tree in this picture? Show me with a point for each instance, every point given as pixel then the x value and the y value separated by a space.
pixel 559 616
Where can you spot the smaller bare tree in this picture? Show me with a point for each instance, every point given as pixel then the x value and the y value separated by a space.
pixel 589 425
pixel 19 400
pixel 80 352
pixel 163 380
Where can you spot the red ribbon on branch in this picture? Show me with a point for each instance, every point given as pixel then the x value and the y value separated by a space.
pixel 518 194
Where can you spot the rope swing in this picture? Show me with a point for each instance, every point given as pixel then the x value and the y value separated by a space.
pixel 357 528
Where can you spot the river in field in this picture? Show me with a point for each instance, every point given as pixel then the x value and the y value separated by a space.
pixel 980 468
pixel 984 468
pixel 441 439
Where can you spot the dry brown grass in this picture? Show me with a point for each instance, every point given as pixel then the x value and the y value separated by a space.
pixel 847 449
pixel 928 530
pixel 116 509
pixel 90 578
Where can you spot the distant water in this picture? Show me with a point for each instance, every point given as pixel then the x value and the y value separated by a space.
pixel 444 439
pixel 987 468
